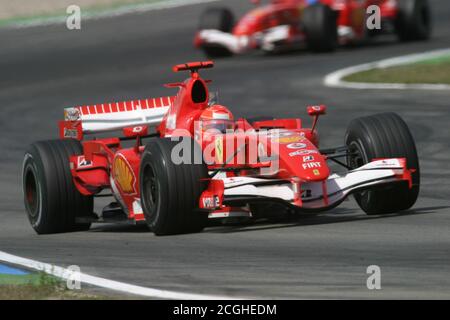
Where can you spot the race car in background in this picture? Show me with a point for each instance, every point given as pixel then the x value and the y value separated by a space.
pixel 216 177
pixel 319 25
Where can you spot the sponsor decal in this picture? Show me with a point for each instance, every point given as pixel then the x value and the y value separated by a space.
pixel 137 208
pixel 291 139
pixel 311 165
pixel 211 202
pixel 83 163
pixel 138 129
pixel 70 133
pixel 302 152
pixel 72 114
pixel 296 145
pixel 308 158
pixel 124 175
pixel 219 149
pixel 316 172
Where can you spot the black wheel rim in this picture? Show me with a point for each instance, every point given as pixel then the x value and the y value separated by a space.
pixel 151 190
pixel 356 156
pixel 31 193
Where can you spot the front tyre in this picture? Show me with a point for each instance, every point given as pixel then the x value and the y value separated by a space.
pixel 51 199
pixel 383 135
pixel 170 192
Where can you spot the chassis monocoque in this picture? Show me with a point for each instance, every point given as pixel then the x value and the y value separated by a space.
pixel 319 25
pixel 175 176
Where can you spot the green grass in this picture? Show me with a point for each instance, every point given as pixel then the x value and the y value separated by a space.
pixel 432 71
pixel 60 15
pixel 39 286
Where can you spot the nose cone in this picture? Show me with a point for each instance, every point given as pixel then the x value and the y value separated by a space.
pixel 300 158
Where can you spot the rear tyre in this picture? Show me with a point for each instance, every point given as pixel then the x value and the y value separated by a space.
pixel 221 19
pixel 319 23
pixel 383 135
pixel 170 192
pixel 51 199
pixel 414 20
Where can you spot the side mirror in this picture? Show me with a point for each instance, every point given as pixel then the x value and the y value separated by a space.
pixel 316 110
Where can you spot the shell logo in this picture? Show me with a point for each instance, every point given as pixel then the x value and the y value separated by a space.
pixel 124 175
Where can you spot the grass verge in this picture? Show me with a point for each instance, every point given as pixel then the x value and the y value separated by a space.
pixel 432 71
pixel 59 14
pixel 40 286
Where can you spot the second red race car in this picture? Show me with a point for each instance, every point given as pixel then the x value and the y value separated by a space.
pixel 319 25
pixel 190 160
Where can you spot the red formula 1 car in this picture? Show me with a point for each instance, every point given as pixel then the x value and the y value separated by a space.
pixel 190 160
pixel 319 25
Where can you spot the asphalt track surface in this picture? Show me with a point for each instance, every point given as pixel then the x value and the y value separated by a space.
pixel 44 69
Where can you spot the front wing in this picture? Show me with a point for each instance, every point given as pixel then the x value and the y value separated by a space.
pixel 307 196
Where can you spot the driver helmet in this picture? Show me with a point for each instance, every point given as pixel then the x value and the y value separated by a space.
pixel 217 117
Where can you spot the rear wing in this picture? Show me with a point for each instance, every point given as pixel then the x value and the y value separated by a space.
pixel 113 116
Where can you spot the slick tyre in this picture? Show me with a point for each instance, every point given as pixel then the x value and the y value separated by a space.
pixel 52 201
pixel 170 191
pixel 383 135
pixel 414 21
pixel 319 23
pixel 221 19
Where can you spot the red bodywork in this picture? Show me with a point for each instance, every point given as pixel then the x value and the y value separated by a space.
pixel 107 164
pixel 281 12
pixel 351 13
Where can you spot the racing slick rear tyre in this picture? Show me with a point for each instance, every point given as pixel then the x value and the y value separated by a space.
pixel 221 19
pixel 170 192
pixel 319 23
pixel 384 135
pixel 51 199
pixel 413 20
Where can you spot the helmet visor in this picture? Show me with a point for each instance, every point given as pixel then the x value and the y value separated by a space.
pixel 218 125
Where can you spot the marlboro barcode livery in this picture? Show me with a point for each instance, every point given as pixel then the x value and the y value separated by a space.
pixel 191 160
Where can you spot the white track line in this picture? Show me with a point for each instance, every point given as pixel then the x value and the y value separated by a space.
pixel 335 79
pixel 65 274
pixel 107 13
